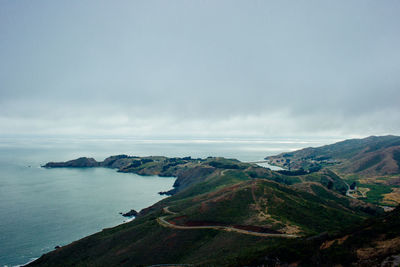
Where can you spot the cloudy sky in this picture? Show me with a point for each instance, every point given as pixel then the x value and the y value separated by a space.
pixel 199 69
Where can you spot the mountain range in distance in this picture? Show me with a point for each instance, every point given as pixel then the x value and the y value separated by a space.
pixel 325 208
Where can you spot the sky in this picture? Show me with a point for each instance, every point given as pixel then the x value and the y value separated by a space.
pixel 199 69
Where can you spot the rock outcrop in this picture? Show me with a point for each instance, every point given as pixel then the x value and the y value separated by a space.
pixel 130 213
pixel 82 162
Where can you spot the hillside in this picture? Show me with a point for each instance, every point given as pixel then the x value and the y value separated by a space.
pixel 371 164
pixel 227 219
pixel 223 212
pixel 375 242
pixel 370 156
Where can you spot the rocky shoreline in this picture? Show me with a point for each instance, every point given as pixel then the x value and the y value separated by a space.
pixel 186 170
pixel 130 213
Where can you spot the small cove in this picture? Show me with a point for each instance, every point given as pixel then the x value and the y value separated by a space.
pixel 43 208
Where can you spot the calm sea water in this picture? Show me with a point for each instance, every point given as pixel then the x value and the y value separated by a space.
pixel 42 208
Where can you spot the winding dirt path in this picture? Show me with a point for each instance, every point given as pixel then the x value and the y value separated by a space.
pixel 166 210
pixel 163 222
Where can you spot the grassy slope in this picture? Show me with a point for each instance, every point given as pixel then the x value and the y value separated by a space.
pixel 144 242
pixel 237 193
pixel 368 244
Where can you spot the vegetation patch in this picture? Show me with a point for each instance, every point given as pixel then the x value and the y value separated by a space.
pixel 396 157
pixel 376 192
pixel 392 198
pixel 369 163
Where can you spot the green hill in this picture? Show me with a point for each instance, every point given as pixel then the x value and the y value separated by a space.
pixel 223 212
pixel 229 198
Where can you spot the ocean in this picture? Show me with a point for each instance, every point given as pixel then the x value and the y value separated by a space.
pixel 43 208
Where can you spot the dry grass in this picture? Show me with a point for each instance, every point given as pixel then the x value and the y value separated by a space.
pixel 291 229
pixel 394 196
pixel 380 248
pixel 329 243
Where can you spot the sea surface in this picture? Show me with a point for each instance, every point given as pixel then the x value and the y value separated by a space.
pixel 43 208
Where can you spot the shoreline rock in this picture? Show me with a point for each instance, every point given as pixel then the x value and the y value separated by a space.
pixel 130 213
pixel 167 193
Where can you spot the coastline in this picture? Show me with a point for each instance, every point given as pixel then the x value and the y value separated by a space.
pixel 82 199
pixel 25 264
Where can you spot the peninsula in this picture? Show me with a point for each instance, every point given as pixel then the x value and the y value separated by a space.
pixel 223 212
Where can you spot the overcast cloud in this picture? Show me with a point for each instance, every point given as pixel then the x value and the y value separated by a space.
pixel 200 68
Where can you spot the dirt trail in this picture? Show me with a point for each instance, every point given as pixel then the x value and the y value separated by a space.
pixel 163 222
pixel 166 210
